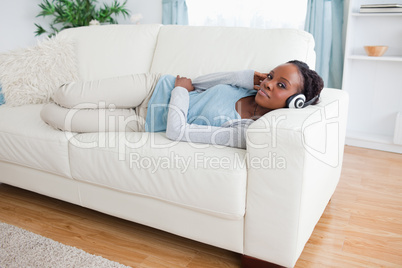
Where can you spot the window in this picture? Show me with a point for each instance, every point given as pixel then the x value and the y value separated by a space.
pixel 248 13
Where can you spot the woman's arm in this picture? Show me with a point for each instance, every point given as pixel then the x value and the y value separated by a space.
pixel 244 79
pixel 178 129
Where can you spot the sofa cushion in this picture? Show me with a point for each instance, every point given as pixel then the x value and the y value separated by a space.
pixel 201 177
pixel 30 75
pixel 215 49
pixel 26 140
pixel 113 50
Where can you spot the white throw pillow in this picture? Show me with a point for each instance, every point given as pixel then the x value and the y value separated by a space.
pixel 29 76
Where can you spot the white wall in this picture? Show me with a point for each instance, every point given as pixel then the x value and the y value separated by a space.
pixel 17 18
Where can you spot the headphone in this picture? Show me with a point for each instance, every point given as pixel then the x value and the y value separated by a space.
pixel 298 101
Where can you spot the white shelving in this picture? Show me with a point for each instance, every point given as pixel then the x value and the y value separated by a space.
pixel 354 14
pixel 374 84
pixel 383 58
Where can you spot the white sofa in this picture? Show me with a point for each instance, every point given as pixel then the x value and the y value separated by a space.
pixel 262 202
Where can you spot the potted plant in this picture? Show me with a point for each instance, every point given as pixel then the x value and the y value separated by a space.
pixel 76 13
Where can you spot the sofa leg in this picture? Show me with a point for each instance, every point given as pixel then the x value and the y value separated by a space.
pixel 251 262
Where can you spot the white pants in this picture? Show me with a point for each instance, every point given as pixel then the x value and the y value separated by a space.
pixel 112 104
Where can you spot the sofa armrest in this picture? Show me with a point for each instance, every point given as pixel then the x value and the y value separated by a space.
pixel 294 164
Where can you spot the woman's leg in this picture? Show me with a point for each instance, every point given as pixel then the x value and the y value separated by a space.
pixel 112 104
pixel 123 92
pixel 90 120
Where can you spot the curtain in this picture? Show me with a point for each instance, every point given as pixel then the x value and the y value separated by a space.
pixel 174 12
pixel 324 20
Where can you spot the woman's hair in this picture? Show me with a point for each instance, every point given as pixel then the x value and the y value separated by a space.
pixel 312 82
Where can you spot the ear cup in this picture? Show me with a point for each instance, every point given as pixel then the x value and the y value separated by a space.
pixel 296 101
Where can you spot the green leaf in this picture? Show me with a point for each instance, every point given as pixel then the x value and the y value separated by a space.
pixel 75 13
pixel 39 30
pixel 47 9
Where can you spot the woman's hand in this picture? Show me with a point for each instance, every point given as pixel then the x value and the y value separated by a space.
pixel 184 82
pixel 258 78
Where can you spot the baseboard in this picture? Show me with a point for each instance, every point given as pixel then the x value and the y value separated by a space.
pixel 374 145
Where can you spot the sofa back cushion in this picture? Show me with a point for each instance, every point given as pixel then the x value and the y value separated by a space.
pixel 192 51
pixel 113 50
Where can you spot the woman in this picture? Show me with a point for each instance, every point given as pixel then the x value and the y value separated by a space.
pixel 212 105
pixel 278 89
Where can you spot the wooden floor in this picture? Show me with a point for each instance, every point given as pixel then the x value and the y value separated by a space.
pixel 361 226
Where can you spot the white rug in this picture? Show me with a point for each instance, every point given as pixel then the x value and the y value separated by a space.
pixel 20 248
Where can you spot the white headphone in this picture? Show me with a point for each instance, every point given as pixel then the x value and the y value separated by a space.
pixel 298 101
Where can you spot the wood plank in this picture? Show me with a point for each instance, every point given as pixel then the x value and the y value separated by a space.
pixel 361 226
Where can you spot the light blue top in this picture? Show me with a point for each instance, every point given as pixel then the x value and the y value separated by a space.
pixel 232 133
pixel 1 96
pixel 214 106
pixel 158 105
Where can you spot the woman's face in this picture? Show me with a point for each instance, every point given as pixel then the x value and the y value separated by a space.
pixel 281 83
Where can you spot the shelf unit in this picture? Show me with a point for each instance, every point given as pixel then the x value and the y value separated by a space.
pixel 384 58
pixel 374 84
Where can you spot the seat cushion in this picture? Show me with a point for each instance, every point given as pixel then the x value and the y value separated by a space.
pixel 28 141
pixel 201 177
